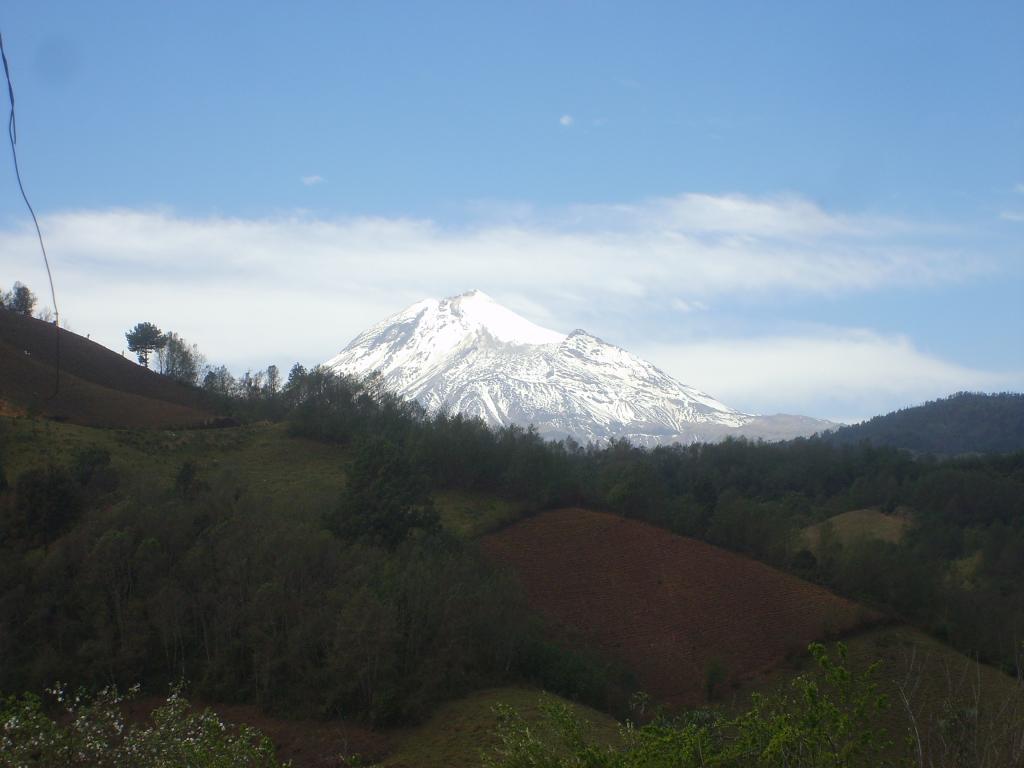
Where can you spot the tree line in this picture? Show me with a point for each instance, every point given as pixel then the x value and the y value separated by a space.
pixel 255 394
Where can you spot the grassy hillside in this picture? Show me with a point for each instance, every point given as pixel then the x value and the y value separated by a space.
pixel 848 527
pixel 472 514
pixel 282 469
pixel 963 712
pixel 460 732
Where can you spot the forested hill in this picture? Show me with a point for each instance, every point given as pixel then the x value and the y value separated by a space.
pixel 320 566
pixel 967 422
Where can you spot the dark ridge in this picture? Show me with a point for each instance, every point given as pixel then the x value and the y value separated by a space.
pixel 963 423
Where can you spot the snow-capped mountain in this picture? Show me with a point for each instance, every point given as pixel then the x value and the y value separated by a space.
pixel 470 355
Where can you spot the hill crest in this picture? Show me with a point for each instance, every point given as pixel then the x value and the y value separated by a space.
pixel 963 423
pixel 98 387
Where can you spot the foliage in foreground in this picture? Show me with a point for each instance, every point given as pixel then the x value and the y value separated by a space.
pixel 94 732
pixel 830 720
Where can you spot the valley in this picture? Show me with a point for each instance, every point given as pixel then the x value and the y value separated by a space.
pixel 695 575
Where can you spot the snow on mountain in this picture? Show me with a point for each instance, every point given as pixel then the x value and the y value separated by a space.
pixel 468 354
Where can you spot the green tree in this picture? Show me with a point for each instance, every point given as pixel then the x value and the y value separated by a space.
pixel 21 300
pixel 187 482
pixel 219 381
pixel 179 359
pixel 830 719
pixel 144 339
pixel 48 500
pixel 385 498
pixel 94 732
pixel 273 380
pixel 295 375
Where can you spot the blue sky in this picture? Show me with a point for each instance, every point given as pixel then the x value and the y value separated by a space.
pixel 802 207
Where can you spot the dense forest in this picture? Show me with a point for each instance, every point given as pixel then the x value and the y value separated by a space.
pixel 369 609
pixel 203 580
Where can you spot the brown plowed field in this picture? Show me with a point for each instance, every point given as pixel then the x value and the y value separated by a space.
pixel 98 387
pixel 669 607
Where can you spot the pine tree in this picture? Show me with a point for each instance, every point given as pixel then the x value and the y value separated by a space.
pixel 143 339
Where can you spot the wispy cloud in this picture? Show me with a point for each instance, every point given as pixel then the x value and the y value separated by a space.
pixel 565 121
pixel 739 215
pixel 839 373
pixel 1012 215
pixel 311 181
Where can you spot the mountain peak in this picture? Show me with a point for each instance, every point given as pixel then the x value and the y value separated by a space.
pixel 468 354
pixel 479 311
pixel 475 293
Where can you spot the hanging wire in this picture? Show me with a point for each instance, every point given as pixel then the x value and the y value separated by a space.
pixel 12 133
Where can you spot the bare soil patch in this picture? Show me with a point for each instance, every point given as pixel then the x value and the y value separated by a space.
pixel 680 613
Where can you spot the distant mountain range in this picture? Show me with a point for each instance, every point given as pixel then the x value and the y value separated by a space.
pixel 470 355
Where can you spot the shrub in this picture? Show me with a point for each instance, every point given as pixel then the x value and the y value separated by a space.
pixel 49 501
pixel 92 732
pixel 830 720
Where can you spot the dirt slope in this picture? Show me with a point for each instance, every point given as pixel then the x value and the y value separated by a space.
pixel 98 387
pixel 671 608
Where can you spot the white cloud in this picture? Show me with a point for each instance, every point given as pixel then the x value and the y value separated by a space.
pixel 736 215
pixel 565 121
pixel 1012 215
pixel 1019 189
pixel 255 291
pixel 839 373
pixel 311 181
